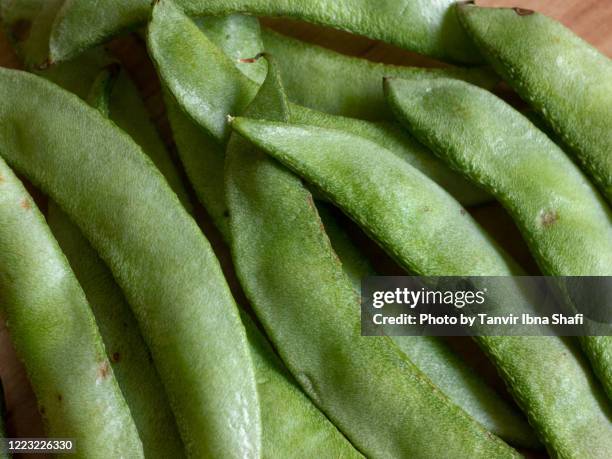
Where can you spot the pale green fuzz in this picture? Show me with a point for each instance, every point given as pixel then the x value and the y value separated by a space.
pixel 373 394
pixel 435 358
pixel 419 25
pixel 564 78
pixel 561 215
pixel 156 252
pixel 54 331
pixel 335 83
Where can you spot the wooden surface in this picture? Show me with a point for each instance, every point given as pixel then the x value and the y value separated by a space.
pixel 591 19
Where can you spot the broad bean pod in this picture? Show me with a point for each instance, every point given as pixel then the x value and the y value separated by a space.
pixel 435 358
pixel 181 52
pixel 317 77
pixel 562 217
pixel 420 25
pixel 565 79
pixel 429 233
pixel 125 348
pixel 123 104
pixel 199 54
pixel 55 334
pixel 203 157
pixel 376 397
pixel 163 263
pixel 302 431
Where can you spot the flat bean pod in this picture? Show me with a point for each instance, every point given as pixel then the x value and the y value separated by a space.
pixel 202 155
pixel 302 431
pixel 427 232
pixel 124 105
pixel 55 334
pixel 420 25
pixel 125 347
pixel 376 397
pixel 200 55
pixel 395 139
pixel 156 252
pixel 565 79
pixel 303 424
pixel 317 77
pixel 182 53
pixel 561 216
pixel 435 358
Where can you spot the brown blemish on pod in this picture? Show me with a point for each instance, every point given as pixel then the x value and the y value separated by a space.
pixel 548 218
pixel 103 370
pixel 523 11
pixel 25 204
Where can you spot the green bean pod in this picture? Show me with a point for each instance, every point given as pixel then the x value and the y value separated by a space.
pixel 181 53
pixel 435 358
pixel 126 350
pixel 317 77
pixel 564 78
pixel 124 106
pixel 563 219
pixel 189 91
pixel 395 139
pixel 157 254
pixel 303 424
pixel 302 431
pixel 55 334
pixel 429 233
pixel 376 397
pixel 420 25
pixel 125 347
pixel 201 154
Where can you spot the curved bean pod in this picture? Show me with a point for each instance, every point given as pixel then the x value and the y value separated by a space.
pixel 188 90
pixel 125 347
pixel 182 54
pixel 564 78
pixel 561 216
pixel 201 154
pixel 376 397
pixel 55 334
pixel 155 251
pixel 420 25
pixel 301 423
pixel 427 232
pixel 317 77
pixel 125 108
pixel 395 139
pixel 204 159
pixel 435 358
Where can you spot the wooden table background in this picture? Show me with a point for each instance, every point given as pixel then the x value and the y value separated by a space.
pixel 591 19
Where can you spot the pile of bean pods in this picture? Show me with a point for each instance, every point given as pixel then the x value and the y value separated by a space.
pixel 117 304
